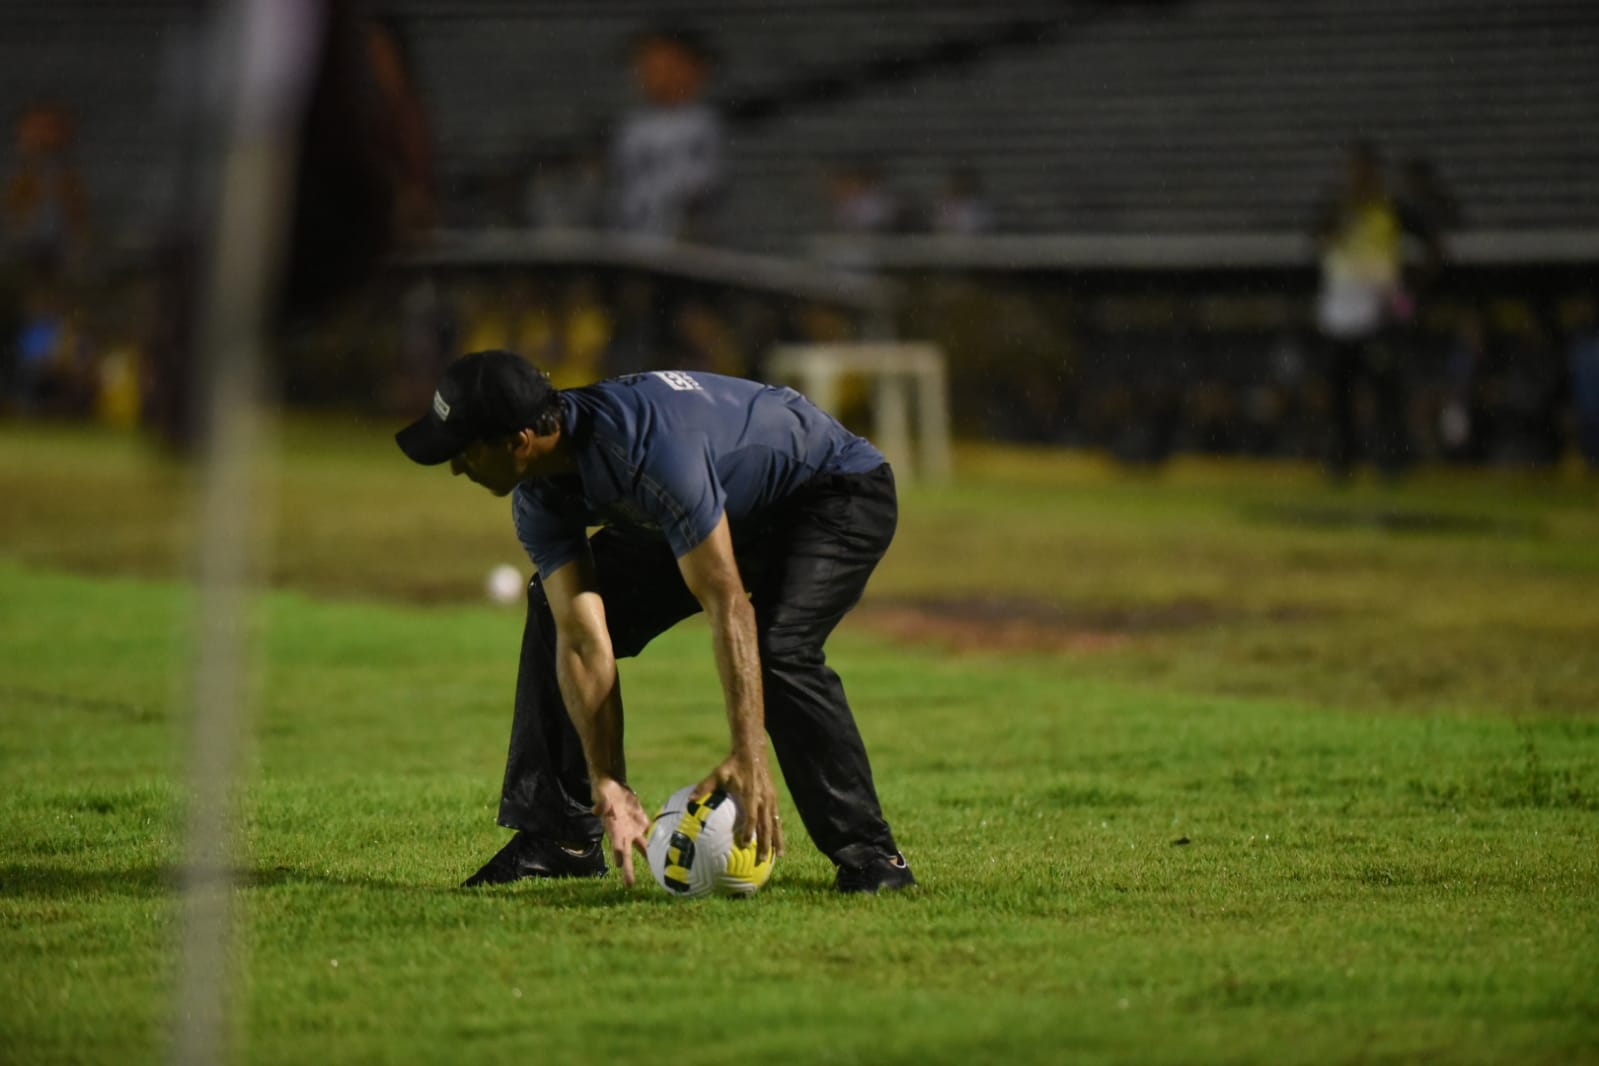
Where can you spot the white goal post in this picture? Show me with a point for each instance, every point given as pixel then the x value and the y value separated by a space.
pixel 910 383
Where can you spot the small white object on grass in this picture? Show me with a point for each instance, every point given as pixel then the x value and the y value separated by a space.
pixel 505 584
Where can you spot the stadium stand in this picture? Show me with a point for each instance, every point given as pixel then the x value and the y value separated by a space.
pixel 1229 115
pixel 1205 116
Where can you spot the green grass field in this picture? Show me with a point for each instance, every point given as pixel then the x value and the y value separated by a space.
pixel 1267 772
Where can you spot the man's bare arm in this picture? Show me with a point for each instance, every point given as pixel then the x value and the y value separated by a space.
pixel 711 573
pixel 585 668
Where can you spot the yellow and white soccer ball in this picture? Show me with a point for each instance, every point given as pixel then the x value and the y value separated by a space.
pixel 691 848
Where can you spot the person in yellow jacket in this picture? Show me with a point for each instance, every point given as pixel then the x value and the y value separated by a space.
pixel 1361 307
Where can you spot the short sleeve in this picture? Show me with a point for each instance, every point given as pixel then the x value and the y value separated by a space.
pixel 550 526
pixel 679 491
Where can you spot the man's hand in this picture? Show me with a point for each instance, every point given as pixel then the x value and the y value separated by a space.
pixel 625 823
pixel 748 779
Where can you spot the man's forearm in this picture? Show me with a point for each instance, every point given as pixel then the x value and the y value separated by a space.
pixel 738 661
pixel 592 694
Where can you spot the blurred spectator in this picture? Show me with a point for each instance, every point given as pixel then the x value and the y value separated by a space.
pixel 46 218
pixel 408 131
pixel 54 372
pixel 119 400
pixel 667 173
pixel 667 158
pixel 861 202
pixel 1583 359
pixel 365 184
pixel 963 208
pixel 121 373
pixel 1361 302
pixel 46 209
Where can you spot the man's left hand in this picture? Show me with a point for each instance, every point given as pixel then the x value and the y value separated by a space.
pixel 748 779
pixel 625 822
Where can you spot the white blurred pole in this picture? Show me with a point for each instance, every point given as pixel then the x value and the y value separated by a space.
pixel 262 57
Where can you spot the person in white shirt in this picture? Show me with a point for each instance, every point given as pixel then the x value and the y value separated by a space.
pixel 667 157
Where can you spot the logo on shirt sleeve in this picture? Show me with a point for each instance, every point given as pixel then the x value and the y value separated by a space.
pixel 678 381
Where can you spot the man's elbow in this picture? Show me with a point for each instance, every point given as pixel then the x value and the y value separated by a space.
pixel 727 603
pixel 585 645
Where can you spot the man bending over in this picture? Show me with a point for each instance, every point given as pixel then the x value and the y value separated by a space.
pixel 713 494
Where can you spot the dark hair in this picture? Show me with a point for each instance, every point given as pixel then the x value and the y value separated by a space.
pixel 684 38
pixel 543 422
pixel 547 419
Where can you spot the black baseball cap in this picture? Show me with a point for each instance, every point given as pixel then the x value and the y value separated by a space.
pixel 481 396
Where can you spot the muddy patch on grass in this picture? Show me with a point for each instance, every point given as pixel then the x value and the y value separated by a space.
pixel 1021 624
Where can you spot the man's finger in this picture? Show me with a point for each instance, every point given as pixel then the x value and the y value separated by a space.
pixel 626 859
pixel 772 833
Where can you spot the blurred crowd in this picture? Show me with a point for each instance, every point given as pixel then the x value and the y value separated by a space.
pixel 1389 361
pixel 47 220
pixel 1497 387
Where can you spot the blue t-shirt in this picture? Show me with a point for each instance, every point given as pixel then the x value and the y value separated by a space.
pixel 673 452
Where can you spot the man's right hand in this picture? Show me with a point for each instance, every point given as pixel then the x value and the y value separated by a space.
pixel 625 823
pixel 748 779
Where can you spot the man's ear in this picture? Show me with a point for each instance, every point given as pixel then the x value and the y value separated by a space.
pixel 522 443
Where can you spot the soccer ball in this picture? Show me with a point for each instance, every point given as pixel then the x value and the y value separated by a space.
pixel 691 848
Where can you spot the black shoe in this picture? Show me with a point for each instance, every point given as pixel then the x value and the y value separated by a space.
pixel 889 872
pixel 530 856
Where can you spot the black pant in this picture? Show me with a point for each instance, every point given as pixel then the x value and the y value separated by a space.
pixel 1375 360
pixel 805 564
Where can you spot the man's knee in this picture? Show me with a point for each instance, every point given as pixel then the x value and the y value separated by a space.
pixel 789 647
